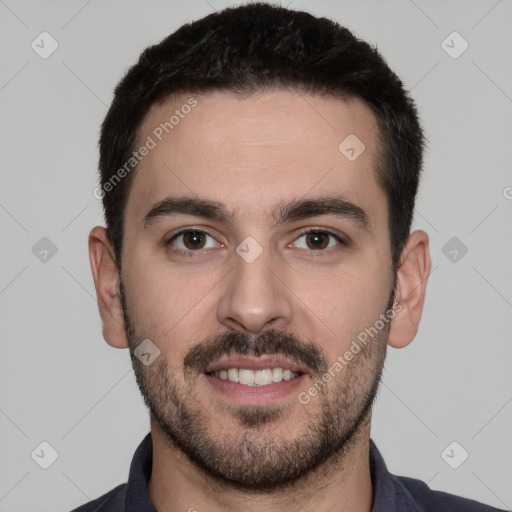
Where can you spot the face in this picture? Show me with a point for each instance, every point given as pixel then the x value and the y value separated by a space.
pixel 255 255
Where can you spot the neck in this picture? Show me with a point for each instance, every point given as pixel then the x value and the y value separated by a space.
pixel 340 484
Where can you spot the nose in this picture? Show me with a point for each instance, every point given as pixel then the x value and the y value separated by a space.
pixel 255 297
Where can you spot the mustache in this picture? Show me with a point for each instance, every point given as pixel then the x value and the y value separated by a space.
pixel 270 342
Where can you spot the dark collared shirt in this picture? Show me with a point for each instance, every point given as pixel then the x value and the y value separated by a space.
pixel 390 493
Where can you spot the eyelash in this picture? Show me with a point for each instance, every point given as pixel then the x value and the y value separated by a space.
pixel 192 253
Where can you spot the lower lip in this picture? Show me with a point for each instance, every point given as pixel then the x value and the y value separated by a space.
pixel 252 395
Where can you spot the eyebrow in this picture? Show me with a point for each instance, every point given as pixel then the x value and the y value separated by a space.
pixel 298 209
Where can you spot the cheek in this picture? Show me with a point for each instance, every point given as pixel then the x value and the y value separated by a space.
pixel 342 305
pixel 170 304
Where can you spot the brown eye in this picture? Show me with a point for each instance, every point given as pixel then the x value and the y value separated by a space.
pixel 194 240
pixel 317 240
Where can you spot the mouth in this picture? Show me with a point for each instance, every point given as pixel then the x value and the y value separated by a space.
pixel 248 377
pixel 255 380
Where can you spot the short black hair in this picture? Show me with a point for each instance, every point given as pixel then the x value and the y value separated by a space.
pixel 264 47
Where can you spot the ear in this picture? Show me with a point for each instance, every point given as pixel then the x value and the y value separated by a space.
pixel 411 278
pixel 106 282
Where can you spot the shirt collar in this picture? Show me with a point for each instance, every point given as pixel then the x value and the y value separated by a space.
pixel 389 495
pixel 137 496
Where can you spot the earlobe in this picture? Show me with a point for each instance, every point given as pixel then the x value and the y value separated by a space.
pixel 412 279
pixel 106 282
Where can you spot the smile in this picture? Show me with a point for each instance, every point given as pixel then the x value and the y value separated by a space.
pixel 249 377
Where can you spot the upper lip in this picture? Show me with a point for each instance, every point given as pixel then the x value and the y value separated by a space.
pixel 255 363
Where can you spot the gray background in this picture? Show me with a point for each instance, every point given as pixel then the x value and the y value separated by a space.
pixel 61 383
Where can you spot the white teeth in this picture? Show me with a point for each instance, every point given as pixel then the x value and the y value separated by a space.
pixel 263 377
pixel 233 375
pixel 277 374
pixel 246 376
pixel 256 378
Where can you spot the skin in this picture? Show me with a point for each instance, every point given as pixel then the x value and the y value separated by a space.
pixel 252 154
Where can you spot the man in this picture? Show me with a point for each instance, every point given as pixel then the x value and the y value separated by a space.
pixel 259 169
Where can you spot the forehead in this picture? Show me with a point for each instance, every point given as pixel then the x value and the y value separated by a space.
pixel 250 153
